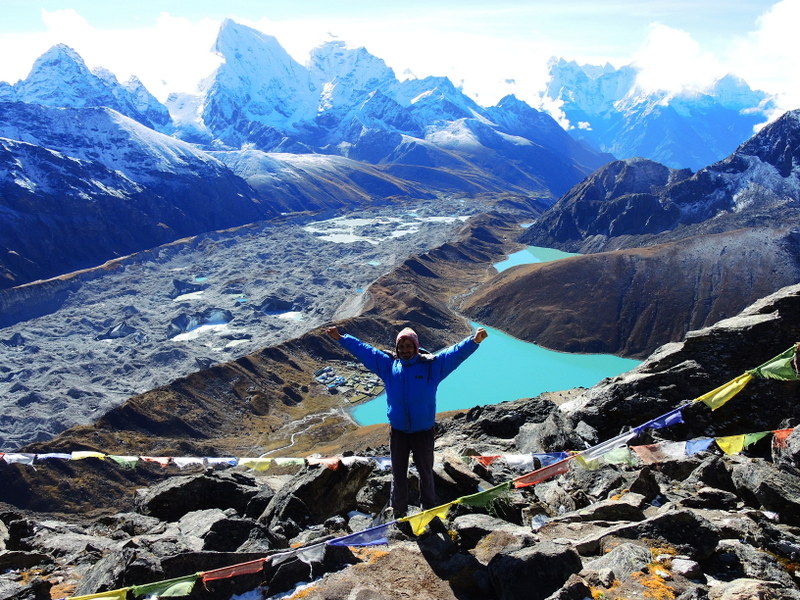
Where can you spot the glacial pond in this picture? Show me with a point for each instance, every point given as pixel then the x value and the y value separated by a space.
pixel 531 254
pixel 505 368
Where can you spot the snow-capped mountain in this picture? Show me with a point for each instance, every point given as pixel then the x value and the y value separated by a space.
pixel 606 108
pixel 79 186
pixel 60 78
pixel 636 202
pixel 344 77
pixel 348 102
pixel 258 92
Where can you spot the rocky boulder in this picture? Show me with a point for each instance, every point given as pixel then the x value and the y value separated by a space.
pixel 175 497
pixel 315 495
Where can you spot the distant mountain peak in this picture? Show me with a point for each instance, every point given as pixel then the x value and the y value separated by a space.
pixel 258 82
pixel 346 75
pixel 60 78
pixel 607 108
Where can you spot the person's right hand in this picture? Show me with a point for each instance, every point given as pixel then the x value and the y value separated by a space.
pixel 333 332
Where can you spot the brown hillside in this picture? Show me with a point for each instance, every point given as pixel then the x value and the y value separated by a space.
pixel 629 302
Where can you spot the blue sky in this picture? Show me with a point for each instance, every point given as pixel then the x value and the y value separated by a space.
pixel 490 48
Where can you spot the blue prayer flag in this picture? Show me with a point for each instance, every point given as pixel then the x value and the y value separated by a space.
pixel 673 417
pixel 698 445
pixel 368 537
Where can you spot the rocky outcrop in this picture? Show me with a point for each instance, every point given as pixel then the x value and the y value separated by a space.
pixel 705 359
pixel 630 302
pixel 584 533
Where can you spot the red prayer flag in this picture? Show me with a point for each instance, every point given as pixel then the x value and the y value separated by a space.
pixel 779 441
pixel 332 463
pixel 247 568
pixel 486 460
pixel 543 474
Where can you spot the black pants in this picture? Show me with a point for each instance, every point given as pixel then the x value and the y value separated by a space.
pixel 401 445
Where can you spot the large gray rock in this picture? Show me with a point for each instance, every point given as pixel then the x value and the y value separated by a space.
pixel 712 472
pixel 130 523
pixel 711 498
pixel 36 589
pixel 21 560
pixel 750 589
pixel 553 434
pixel 129 566
pixel 683 529
pixel 175 497
pixel 283 576
pixel 574 589
pixel 505 421
pixel 623 560
pixel 313 496
pixel 533 573
pixel 761 485
pixel 473 528
pixel 734 560
pixel 629 507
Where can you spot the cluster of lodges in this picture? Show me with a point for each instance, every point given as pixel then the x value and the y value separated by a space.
pixel 351 380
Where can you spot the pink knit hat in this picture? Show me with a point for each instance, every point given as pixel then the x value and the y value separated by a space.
pixel 410 334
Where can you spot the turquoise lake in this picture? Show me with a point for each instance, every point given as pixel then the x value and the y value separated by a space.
pixel 532 254
pixel 505 368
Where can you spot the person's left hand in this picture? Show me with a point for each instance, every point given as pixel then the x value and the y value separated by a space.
pixel 480 335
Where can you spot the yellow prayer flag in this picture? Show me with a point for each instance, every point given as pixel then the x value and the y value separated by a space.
pixel 719 396
pixel 120 594
pixel 257 464
pixel 81 454
pixel 420 521
pixel 732 444
pixel 591 464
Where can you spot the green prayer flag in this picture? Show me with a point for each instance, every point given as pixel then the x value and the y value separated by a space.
pixel 780 367
pixel 752 438
pixel 180 586
pixel 125 461
pixel 486 497
pixel 620 456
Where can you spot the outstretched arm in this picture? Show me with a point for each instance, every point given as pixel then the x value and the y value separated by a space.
pixel 375 360
pixel 448 359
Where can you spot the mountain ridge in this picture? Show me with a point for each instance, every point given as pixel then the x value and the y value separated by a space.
pixel 638 202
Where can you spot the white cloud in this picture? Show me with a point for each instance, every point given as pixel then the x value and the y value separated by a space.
pixel 174 55
pixel 491 52
pixel 671 60
pixel 767 57
pixel 65 22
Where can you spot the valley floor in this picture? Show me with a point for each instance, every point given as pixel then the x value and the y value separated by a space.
pixel 150 318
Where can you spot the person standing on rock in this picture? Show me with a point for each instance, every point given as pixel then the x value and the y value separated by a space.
pixel 411 379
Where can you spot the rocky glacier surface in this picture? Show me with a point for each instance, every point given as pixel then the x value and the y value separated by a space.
pixel 142 321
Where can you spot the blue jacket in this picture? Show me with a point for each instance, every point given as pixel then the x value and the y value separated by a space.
pixel 410 384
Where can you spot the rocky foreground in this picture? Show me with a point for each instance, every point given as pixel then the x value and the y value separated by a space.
pixel 706 525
